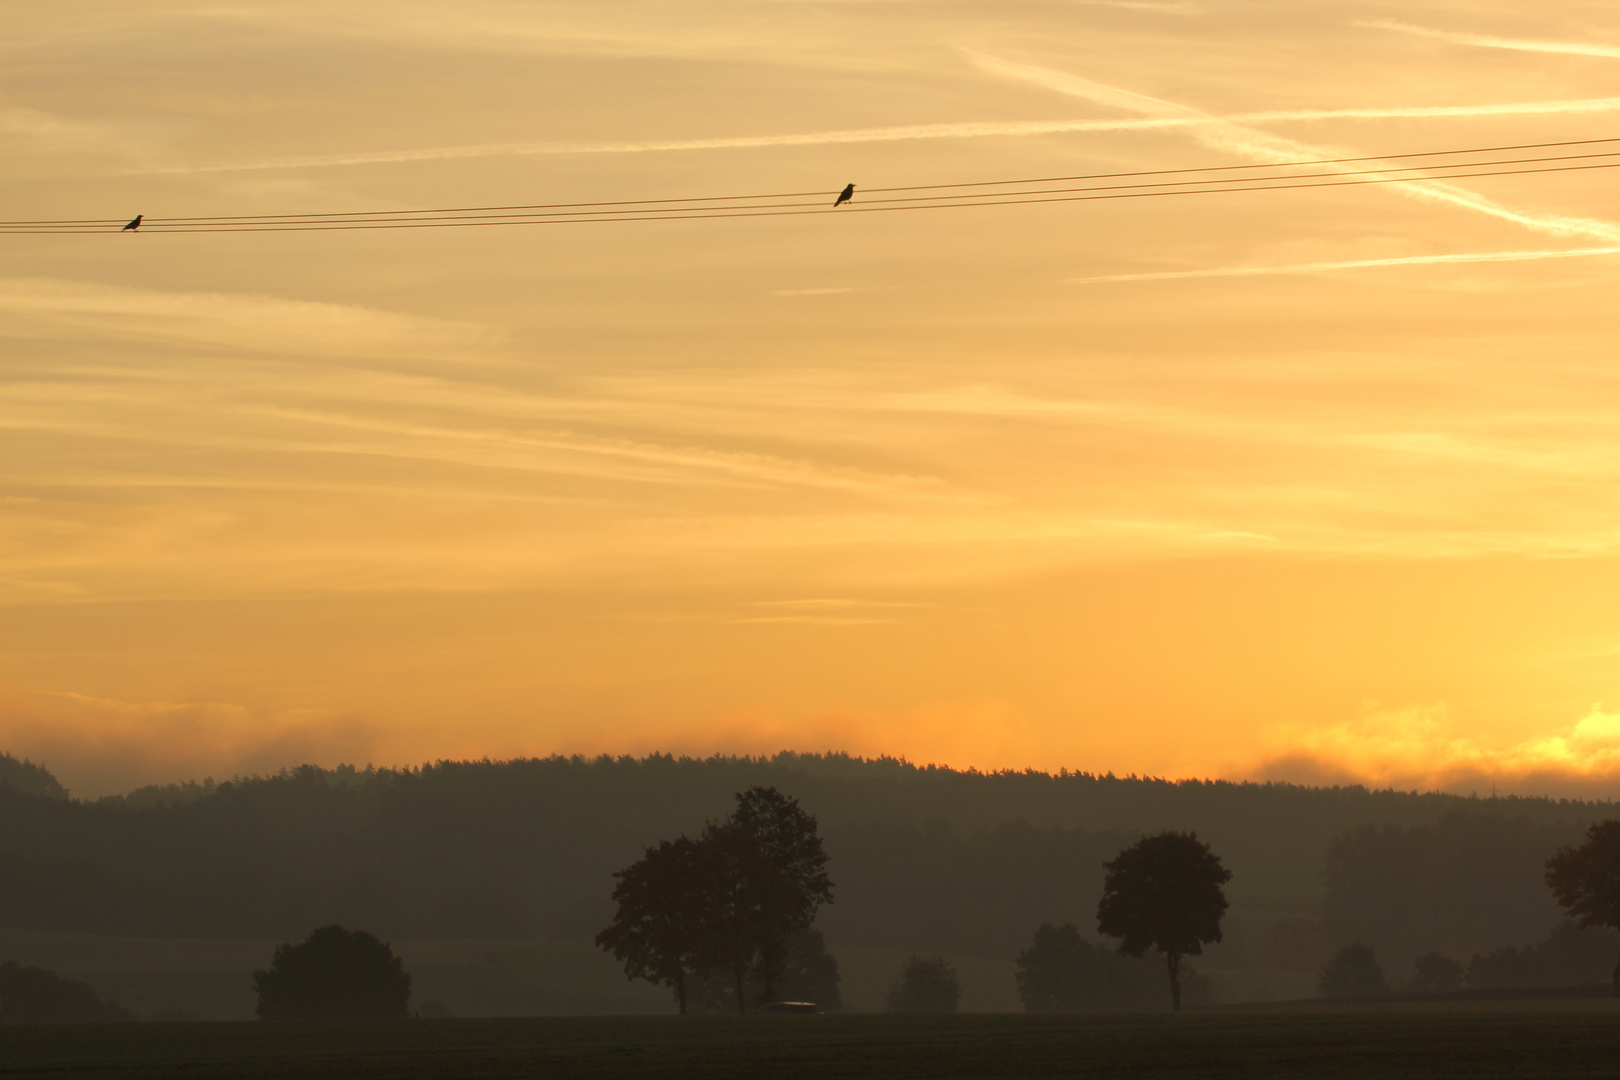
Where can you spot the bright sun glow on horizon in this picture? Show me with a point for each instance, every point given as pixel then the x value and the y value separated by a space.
pixel 1306 484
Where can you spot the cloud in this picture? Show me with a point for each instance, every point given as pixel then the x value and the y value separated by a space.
pixel 97 746
pixel 1168 7
pixel 902 133
pixel 624 458
pixel 1353 264
pixel 1421 749
pixel 817 292
pixel 49 308
pixel 42 132
pixel 1227 134
pixel 1485 41
pixel 817 620
pixel 834 602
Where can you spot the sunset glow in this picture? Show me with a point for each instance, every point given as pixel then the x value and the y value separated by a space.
pixel 1316 484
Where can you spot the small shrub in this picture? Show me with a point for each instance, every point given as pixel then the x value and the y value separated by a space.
pixel 334 973
pixel 32 995
pixel 926 985
pixel 1434 972
pixel 1353 972
pixel 1063 972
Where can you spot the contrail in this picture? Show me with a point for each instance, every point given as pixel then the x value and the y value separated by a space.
pixel 1354 264
pixel 1485 41
pixel 1228 135
pixel 969 130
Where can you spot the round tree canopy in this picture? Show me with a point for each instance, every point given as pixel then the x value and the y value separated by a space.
pixel 333 974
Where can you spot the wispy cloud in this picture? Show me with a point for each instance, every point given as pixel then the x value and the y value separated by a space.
pixel 1354 264
pixel 816 620
pixel 631 459
pixel 1184 118
pixel 1486 41
pixel 834 291
pixel 41 307
pixel 1168 7
pixel 1230 135
pixel 833 602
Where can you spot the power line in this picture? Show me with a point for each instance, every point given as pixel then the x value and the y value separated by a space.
pixel 642 209
pixel 716 207
pixel 1268 165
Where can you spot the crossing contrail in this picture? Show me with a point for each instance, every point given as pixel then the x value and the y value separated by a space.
pixel 965 130
pixel 1485 41
pixel 1228 134
pixel 1353 264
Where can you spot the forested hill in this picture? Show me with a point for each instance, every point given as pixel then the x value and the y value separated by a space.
pixel 923 857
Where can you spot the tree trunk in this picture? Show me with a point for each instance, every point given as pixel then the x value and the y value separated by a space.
pixel 740 974
pixel 770 966
pixel 680 989
pixel 1617 980
pixel 1173 962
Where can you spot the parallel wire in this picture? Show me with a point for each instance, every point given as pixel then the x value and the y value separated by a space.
pixel 1267 165
pixel 671 210
pixel 428 216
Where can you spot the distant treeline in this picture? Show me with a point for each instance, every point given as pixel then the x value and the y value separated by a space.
pixel 1468 883
pixel 924 858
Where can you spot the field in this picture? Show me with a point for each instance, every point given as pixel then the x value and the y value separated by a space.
pixel 1563 1039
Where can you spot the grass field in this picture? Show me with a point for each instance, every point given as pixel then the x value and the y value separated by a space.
pixel 1562 1040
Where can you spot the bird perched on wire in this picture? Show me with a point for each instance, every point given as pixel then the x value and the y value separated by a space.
pixel 132 226
pixel 844 196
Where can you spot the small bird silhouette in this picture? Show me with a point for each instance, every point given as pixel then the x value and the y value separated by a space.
pixel 844 196
pixel 132 226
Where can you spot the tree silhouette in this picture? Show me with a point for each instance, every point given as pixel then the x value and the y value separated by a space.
pixel 811 974
pixel 1436 972
pixel 1063 972
pixel 665 927
pixel 1164 892
pixel 1567 955
pixel 926 985
pixel 32 995
pixel 1353 972
pixel 333 974
pixel 730 901
pixel 1586 880
pixel 772 878
pixel 1053 973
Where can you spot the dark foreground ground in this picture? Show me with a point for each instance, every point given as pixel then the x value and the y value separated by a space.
pixel 1365 1044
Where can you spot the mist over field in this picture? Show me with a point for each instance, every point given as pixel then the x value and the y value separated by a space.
pixel 520 856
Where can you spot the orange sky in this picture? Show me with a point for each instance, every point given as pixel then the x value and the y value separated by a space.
pixel 1314 484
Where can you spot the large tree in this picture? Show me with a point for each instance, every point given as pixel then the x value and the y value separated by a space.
pixel 1164 892
pixel 665 926
pixel 811 974
pixel 729 901
pixel 773 878
pixel 1586 880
